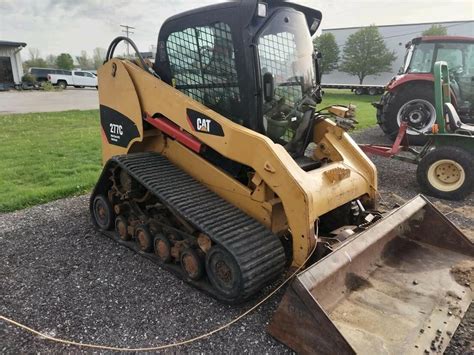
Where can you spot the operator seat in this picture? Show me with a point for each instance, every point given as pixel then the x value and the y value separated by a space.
pixel 454 122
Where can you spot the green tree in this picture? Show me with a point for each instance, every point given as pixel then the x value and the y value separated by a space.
pixel 51 61
pixel 365 53
pixel 84 61
pixel 98 57
pixel 65 61
pixel 435 30
pixel 327 46
pixel 35 60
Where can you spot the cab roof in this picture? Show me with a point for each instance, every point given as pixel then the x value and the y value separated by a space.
pixel 443 39
pixel 246 8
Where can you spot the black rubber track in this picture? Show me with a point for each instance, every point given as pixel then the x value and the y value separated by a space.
pixel 257 251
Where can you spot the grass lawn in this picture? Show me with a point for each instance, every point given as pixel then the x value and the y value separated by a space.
pixel 365 112
pixel 45 156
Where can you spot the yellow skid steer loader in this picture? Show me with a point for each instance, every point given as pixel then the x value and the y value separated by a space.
pixel 219 167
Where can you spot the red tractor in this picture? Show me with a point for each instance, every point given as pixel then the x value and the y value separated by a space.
pixel 409 96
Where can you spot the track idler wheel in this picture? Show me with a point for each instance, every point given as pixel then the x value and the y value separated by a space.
pixel 121 227
pixel 192 263
pixel 144 238
pixel 102 213
pixel 162 248
pixel 223 272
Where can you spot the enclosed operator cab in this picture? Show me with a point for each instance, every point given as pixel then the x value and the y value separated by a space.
pixel 423 52
pixel 208 55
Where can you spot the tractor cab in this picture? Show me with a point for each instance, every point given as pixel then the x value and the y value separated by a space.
pixel 458 52
pixel 261 75
pixel 409 96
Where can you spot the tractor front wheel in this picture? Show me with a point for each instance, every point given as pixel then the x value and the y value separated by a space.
pixel 447 172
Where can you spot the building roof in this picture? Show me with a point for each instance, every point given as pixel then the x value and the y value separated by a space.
pixel 12 44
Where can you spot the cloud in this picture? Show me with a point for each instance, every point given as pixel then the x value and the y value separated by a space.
pixel 55 26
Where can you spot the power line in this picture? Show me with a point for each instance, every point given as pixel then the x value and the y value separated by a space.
pixel 127 33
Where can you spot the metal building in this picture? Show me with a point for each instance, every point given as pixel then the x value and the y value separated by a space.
pixel 11 69
pixel 396 36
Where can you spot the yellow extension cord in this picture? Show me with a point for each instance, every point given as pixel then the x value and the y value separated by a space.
pixel 160 347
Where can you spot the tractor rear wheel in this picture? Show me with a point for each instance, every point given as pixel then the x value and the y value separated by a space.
pixel 413 103
pixel 447 172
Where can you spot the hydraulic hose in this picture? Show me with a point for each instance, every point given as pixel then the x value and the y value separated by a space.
pixel 113 46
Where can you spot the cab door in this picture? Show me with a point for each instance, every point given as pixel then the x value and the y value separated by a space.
pixel 79 79
pixel 90 79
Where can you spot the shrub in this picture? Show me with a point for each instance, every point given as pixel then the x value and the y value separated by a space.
pixel 28 78
pixel 47 86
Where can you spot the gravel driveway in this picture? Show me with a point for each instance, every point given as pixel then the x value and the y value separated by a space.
pixel 61 277
pixel 47 101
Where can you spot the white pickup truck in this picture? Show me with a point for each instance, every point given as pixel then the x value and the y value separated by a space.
pixel 78 79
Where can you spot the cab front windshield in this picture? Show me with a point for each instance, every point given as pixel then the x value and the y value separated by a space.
pixel 286 51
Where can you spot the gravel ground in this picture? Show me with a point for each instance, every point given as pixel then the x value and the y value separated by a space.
pixel 60 277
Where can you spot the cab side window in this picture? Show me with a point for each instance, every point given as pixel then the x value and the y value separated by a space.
pixel 451 55
pixel 202 62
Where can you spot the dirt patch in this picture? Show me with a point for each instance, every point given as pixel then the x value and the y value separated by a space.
pixel 355 282
pixel 463 273
pixel 399 249
pixel 465 210
pixel 468 233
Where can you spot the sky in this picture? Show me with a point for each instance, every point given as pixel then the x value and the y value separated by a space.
pixel 56 26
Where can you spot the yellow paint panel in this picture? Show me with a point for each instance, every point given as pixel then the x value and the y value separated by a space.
pixel 305 196
pixel 117 91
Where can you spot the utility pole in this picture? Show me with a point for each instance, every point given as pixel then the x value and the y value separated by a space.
pixel 127 33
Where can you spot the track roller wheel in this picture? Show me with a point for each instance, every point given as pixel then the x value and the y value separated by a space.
pixel 192 263
pixel 121 227
pixel 144 238
pixel 162 248
pixel 102 212
pixel 224 272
